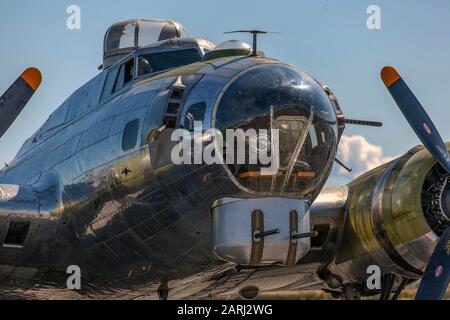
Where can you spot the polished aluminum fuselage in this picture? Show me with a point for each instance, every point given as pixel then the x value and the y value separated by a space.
pixel 130 215
pixel 120 215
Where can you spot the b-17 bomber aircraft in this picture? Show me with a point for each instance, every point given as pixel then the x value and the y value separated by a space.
pixel 96 187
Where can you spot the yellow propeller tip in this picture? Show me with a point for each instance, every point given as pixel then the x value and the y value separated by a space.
pixel 32 77
pixel 389 76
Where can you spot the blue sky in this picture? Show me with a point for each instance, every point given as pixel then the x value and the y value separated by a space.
pixel 327 39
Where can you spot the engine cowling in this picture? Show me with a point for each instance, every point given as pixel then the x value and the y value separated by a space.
pixel 395 215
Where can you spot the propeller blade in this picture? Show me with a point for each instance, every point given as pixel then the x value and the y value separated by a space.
pixel 416 116
pixel 17 96
pixel 437 275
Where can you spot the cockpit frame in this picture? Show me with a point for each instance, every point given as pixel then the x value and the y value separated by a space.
pixel 117 49
pixel 142 51
pixel 135 54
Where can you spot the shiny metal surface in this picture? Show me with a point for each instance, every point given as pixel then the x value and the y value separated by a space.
pixel 41 200
pixel 232 44
pixel 386 225
pixel 128 216
pixel 232 229
pixel 122 216
pixel 328 218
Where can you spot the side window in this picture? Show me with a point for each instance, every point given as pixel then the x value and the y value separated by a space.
pixel 110 82
pixel 130 135
pixel 125 75
pixel 161 61
pixel 120 79
pixel 117 78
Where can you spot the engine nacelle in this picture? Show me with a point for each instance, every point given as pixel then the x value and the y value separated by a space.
pixel 395 214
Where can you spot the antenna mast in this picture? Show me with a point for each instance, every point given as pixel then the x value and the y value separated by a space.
pixel 255 34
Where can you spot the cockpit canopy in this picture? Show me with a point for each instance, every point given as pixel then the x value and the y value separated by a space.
pixel 126 36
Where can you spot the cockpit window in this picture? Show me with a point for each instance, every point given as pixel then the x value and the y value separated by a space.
pixel 110 83
pixel 120 36
pixel 160 61
pixel 152 31
pixel 125 75
pixel 117 78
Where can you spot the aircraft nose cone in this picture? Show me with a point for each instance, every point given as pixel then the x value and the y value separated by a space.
pixel 278 98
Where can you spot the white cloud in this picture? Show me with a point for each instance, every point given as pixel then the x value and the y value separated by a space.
pixel 358 154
